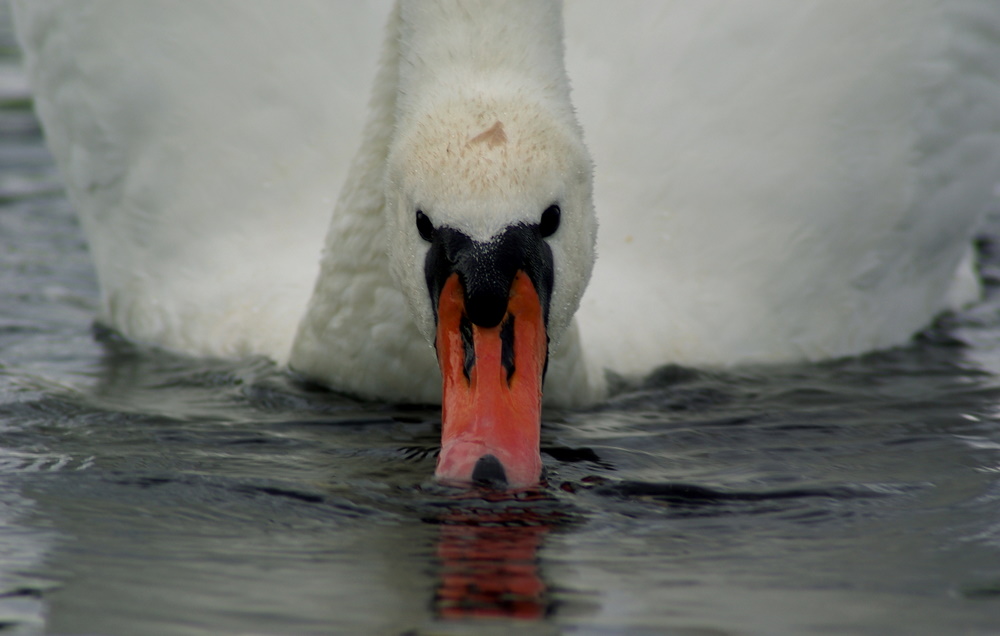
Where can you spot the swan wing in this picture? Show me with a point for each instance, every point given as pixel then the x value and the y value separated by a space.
pixel 780 180
pixel 203 145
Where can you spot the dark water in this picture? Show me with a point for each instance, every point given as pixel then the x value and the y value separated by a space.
pixel 142 493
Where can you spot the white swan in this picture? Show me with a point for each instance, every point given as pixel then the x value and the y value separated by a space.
pixel 777 180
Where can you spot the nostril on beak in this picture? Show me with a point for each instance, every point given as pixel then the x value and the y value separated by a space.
pixel 488 471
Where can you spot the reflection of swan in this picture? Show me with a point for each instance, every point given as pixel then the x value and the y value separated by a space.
pixel 775 181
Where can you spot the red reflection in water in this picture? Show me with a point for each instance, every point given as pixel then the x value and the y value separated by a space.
pixel 490 563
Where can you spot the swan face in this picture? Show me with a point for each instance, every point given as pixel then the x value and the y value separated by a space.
pixel 491 239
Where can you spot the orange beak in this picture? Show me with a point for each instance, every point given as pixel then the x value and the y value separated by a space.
pixel 492 391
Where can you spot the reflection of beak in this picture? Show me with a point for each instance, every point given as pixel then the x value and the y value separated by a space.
pixel 490 563
pixel 492 394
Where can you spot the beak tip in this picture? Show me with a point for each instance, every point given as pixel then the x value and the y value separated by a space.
pixel 473 463
pixel 488 471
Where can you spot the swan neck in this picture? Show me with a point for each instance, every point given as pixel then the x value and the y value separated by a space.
pixel 457 48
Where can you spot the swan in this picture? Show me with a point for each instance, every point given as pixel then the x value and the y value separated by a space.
pixel 415 216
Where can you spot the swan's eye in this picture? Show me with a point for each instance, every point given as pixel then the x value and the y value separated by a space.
pixel 425 227
pixel 550 221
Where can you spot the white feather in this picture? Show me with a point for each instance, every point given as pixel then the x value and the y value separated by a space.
pixel 776 180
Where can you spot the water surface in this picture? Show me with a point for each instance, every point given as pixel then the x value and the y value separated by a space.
pixel 145 493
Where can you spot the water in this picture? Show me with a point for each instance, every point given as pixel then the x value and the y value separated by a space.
pixel 144 493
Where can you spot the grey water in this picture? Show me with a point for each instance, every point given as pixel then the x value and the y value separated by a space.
pixel 146 493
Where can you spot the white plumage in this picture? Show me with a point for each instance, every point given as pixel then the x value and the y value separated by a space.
pixel 776 180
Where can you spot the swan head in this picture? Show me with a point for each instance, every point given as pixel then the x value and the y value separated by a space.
pixel 491 231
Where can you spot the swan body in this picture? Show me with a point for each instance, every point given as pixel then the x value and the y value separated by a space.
pixel 774 181
pixel 818 167
pixel 205 218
